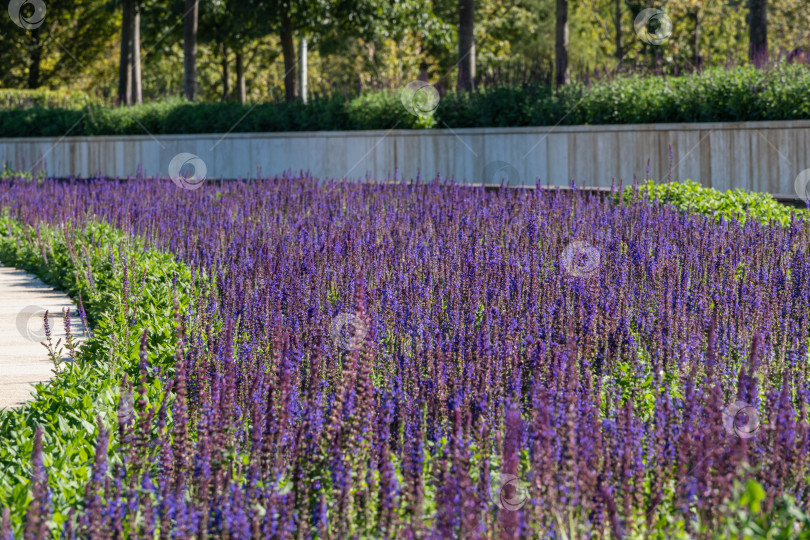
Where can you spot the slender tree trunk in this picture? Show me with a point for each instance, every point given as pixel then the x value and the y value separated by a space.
pixel 35 60
pixel 619 51
pixel 373 47
pixel 137 87
pixel 240 76
pixel 288 51
pixel 226 74
pixel 466 45
pixel 697 37
pixel 302 67
pixel 125 62
pixel 190 49
pixel 423 71
pixel 562 75
pixel 757 29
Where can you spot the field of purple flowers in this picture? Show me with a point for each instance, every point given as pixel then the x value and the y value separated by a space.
pixel 437 361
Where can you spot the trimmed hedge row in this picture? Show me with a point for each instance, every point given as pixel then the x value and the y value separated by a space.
pixel 717 95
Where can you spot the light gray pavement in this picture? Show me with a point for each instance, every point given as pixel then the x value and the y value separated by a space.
pixel 23 360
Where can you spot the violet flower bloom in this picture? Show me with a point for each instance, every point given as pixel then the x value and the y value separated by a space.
pixel 482 355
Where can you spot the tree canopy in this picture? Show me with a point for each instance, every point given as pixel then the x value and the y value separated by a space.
pixel 356 44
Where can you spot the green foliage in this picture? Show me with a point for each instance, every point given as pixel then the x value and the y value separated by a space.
pixel 738 205
pixel 382 110
pixel 379 110
pixel 23 99
pixel 87 389
pixel 519 106
pixel 747 521
pixel 717 95
pixel 72 38
pixel 720 95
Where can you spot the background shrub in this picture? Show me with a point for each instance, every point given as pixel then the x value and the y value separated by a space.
pixel 716 95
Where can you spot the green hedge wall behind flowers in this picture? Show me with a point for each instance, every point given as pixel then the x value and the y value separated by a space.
pixel 779 92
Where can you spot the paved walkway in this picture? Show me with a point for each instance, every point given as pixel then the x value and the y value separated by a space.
pixel 23 360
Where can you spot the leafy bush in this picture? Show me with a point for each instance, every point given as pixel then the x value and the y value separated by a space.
pixel 737 204
pixel 717 95
pixel 19 99
pixel 368 111
pixel 746 518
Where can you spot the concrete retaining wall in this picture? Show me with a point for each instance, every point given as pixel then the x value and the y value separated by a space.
pixel 760 156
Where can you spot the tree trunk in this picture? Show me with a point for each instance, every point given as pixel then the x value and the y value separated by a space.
pixel 466 45
pixel 137 88
pixel 562 75
pixel 226 74
pixel 757 30
pixel 240 76
pixel 423 71
pixel 190 49
pixel 125 61
pixel 697 37
pixel 288 51
pixel 619 51
pixel 35 60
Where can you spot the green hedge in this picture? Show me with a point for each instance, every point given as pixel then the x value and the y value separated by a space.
pixel 738 205
pixel 717 95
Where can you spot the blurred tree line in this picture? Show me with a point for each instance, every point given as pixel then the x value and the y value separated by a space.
pixel 250 50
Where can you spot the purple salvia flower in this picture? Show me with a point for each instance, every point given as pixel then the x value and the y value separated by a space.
pixel 39 510
pixel 5 525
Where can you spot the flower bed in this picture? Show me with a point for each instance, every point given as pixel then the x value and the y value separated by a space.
pixel 441 361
